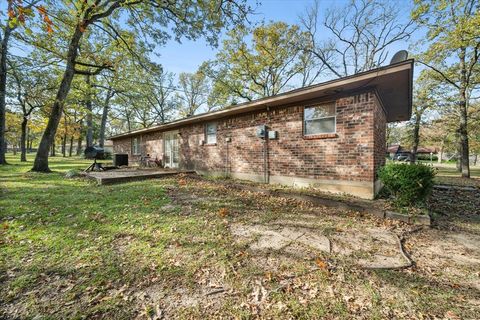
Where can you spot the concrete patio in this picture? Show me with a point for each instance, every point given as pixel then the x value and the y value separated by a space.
pixel 131 174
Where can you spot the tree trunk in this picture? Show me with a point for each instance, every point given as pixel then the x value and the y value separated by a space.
pixel 88 105
pixel 465 154
pixel 462 105
pixel 27 144
pixel 103 124
pixel 129 125
pixel 64 138
pixel 52 149
pixel 64 145
pixel 458 162
pixel 3 93
pixel 71 146
pixel 23 140
pixel 416 138
pixel 440 154
pixel 28 140
pixel 41 159
pixel 79 144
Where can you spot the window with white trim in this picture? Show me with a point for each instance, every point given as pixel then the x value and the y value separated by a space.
pixel 319 119
pixel 135 146
pixel 211 133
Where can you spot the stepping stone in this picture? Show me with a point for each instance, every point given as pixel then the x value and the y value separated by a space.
pixel 381 246
pixel 279 238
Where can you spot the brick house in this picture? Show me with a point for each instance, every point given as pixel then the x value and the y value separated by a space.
pixel 330 136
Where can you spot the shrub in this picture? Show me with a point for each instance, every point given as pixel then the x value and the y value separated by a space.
pixel 409 184
pixel 426 157
pixel 72 174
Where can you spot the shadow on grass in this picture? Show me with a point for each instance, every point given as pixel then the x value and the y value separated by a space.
pixel 428 291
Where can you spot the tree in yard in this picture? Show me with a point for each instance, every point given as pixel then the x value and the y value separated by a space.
pixel 12 130
pixel 126 58
pixel 269 65
pixel 108 93
pixel 360 34
pixel 31 88
pixel 440 132
pixel 139 103
pixel 185 18
pixel 193 93
pixel 160 95
pixel 426 98
pixel 474 130
pixel 453 39
pixel 17 13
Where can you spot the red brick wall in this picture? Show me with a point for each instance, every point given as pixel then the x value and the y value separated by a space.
pixel 150 143
pixel 354 153
pixel 349 155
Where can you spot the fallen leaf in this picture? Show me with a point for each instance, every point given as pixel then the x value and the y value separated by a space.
pixel 321 264
pixel 223 212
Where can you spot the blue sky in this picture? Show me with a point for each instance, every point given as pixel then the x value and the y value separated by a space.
pixel 187 56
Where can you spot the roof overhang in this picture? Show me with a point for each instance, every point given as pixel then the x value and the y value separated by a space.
pixel 393 84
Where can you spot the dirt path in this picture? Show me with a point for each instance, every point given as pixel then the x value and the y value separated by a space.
pixel 291 241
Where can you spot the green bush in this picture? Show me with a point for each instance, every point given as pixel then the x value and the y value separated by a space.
pixel 72 174
pixel 426 157
pixel 409 184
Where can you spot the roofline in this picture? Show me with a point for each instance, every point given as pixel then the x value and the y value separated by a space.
pixel 248 106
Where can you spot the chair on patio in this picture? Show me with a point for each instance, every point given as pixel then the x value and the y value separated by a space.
pixel 148 161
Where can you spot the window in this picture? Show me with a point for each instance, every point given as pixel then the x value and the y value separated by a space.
pixel 135 146
pixel 211 133
pixel 319 119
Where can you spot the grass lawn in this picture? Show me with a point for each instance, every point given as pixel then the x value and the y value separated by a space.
pixel 165 248
pixel 448 174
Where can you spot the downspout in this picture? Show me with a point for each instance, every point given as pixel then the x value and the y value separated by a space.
pixel 266 176
pixel 227 157
pixel 226 160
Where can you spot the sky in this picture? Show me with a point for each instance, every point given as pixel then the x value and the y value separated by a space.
pixel 189 55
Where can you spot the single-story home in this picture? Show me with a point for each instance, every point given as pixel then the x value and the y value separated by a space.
pixel 330 135
pixel 395 150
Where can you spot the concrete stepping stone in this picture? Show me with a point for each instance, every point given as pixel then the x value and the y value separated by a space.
pixel 376 248
pixel 277 238
pixel 371 248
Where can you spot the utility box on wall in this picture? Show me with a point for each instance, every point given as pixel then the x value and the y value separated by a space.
pixel 272 135
pixel 261 131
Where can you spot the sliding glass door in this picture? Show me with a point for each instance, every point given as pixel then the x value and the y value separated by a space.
pixel 171 147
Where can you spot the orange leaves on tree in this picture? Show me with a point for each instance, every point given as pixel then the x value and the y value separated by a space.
pixel 11 13
pixel 48 23
pixel 42 10
pixel 17 14
pixel 47 20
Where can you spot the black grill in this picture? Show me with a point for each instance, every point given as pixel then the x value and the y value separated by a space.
pixel 94 153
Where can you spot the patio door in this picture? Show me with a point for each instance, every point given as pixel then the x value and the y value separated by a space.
pixel 171 149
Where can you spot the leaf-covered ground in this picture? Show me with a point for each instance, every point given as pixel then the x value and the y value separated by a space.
pixel 167 249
